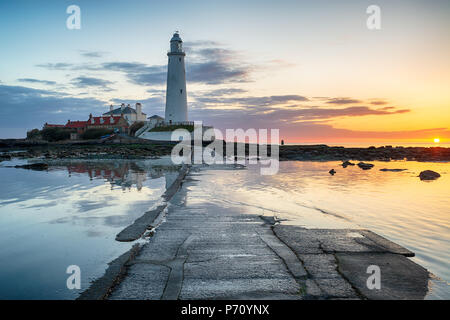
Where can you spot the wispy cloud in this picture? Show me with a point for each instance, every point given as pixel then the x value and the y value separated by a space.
pixel 36 106
pixel 83 82
pixel 251 101
pixel 343 101
pixel 378 102
pixel 30 80
pixel 92 54
pixel 206 64
pixel 56 66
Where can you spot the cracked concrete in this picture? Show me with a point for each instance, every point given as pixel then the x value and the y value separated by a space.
pixel 337 261
pixel 204 250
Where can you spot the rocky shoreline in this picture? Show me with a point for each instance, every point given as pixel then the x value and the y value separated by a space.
pixel 385 153
pixel 138 148
pixel 89 150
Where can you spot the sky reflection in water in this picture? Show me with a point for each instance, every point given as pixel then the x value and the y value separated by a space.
pixel 68 215
pixel 397 205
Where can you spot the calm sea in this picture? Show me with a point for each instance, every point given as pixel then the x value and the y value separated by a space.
pixel 396 205
pixel 70 214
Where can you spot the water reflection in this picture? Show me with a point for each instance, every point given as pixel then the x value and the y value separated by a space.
pixel 123 174
pixel 70 214
pixel 397 205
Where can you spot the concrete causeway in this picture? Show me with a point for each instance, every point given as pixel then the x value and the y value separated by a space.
pixel 204 250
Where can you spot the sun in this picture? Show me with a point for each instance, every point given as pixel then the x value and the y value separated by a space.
pixel 437 140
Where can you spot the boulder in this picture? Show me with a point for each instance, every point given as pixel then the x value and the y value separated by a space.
pixel 332 172
pixel 393 170
pixel 347 163
pixel 429 175
pixel 34 166
pixel 365 166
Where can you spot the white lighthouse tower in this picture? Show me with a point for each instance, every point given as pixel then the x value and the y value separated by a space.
pixel 176 97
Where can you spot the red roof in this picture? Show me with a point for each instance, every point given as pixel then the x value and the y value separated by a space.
pixel 106 120
pixel 54 125
pixel 75 124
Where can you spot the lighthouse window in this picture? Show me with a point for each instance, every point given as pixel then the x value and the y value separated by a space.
pixel 179 59
pixel 181 91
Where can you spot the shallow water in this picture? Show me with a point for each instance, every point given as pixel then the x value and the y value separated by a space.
pixel 397 205
pixel 69 215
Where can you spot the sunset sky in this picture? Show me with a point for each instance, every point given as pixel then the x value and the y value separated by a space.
pixel 309 68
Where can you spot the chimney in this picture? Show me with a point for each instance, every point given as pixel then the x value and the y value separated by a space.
pixel 111 108
pixel 138 109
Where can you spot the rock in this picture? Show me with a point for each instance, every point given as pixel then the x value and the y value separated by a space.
pixel 4 157
pixel 429 175
pixel 34 166
pixel 365 166
pixel 332 172
pixel 347 163
pixel 393 170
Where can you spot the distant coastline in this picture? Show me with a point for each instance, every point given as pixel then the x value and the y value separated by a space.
pixel 130 148
pixel 375 144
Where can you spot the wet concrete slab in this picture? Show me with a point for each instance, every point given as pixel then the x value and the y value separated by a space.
pixel 400 278
pixel 337 240
pixel 211 252
pixel 138 287
pixel 336 261
pixel 204 250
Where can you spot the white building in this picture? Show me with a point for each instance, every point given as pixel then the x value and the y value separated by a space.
pixel 176 96
pixel 130 114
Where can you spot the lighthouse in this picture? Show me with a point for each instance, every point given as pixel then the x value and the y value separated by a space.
pixel 161 129
pixel 176 96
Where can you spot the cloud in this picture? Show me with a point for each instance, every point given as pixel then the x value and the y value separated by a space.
pixel 199 43
pixel 216 93
pixel 56 66
pixel 210 64
pixel 92 54
pixel 378 102
pixel 294 114
pixel 296 122
pixel 206 64
pixel 30 80
pixel 25 108
pixel 307 124
pixel 327 113
pixel 251 101
pixel 83 82
pixel 343 101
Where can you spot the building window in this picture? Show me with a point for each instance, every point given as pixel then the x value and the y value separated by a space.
pixel 179 59
pixel 181 91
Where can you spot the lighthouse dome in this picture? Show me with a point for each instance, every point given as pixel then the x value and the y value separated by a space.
pixel 176 37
